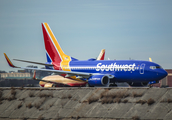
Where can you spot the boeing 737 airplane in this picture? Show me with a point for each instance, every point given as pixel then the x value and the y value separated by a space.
pixel 95 72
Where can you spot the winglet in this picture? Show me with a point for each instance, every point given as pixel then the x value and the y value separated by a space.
pixel 9 61
pixel 150 59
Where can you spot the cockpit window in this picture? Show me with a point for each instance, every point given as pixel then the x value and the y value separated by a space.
pixel 158 66
pixel 155 67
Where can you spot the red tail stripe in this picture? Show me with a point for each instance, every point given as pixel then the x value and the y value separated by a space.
pixel 49 46
pixel 103 56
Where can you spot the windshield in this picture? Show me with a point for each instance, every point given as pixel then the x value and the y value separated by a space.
pixel 155 67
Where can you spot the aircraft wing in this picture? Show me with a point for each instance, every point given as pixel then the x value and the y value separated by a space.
pixel 33 62
pixel 68 73
pixel 11 65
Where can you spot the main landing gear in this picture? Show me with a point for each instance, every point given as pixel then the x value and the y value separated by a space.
pixel 113 85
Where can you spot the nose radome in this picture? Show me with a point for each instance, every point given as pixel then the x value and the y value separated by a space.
pixel 163 73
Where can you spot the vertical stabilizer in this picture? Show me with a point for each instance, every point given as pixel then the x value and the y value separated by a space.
pixel 54 53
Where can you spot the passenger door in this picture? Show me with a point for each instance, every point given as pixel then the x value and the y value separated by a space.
pixel 142 67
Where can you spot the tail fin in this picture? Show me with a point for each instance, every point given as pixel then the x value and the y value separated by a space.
pixel 101 55
pixel 53 49
pixel 54 52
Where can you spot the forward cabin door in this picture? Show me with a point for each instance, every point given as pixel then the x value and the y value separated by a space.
pixel 142 67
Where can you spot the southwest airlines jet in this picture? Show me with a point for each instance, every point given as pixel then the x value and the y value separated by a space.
pixel 95 72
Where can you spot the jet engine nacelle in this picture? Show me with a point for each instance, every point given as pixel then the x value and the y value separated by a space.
pixel 98 80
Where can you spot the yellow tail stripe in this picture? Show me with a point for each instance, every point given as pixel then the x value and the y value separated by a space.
pixel 9 61
pixel 65 58
pixel 54 39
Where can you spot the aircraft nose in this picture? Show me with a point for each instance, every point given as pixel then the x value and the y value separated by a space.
pixel 163 73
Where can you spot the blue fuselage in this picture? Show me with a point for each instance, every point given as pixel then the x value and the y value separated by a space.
pixel 122 70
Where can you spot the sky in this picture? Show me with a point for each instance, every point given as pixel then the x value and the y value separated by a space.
pixel 127 29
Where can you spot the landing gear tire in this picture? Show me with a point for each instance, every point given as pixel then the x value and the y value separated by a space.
pixel 113 85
